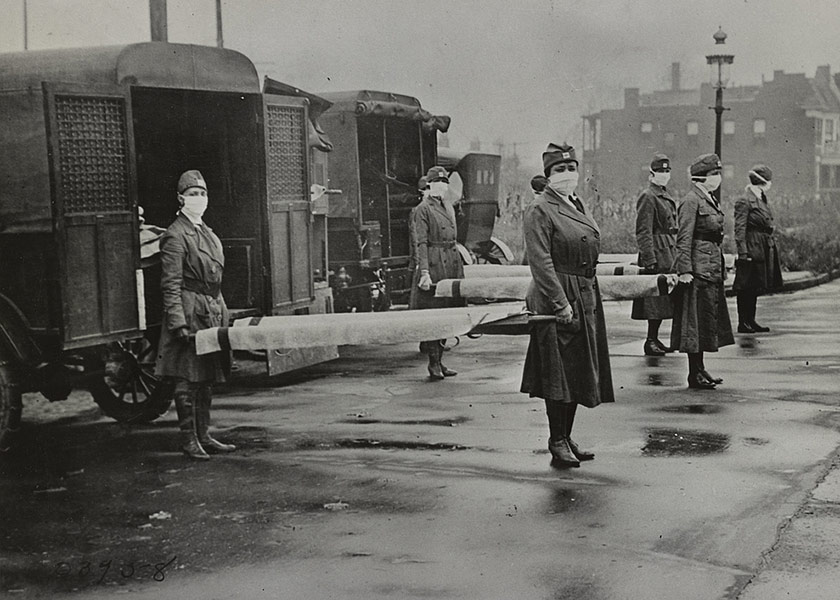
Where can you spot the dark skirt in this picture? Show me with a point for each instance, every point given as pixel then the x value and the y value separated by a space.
pixel 759 276
pixel 571 367
pixel 701 317
pixel 652 307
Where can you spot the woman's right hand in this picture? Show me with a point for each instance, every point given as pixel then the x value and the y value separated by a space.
pixel 564 315
pixel 182 334
pixel 685 278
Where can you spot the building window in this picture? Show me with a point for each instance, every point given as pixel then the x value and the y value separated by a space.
pixel 759 127
pixel 828 130
pixel 729 128
pixel 597 137
pixel 692 128
pixel 587 135
pixel 647 127
pixel 670 138
pixel 728 171
pixel 818 131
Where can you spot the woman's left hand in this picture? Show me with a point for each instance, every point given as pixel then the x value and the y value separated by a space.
pixel 565 315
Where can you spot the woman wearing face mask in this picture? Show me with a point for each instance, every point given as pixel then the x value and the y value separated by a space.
pixel 757 269
pixel 701 319
pixel 568 362
pixel 434 232
pixel 192 262
pixel 656 236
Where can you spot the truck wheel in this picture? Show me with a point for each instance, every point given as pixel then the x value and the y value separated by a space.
pixel 495 252
pixel 128 389
pixel 10 406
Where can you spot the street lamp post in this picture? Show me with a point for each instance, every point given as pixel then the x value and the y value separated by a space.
pixel 719 63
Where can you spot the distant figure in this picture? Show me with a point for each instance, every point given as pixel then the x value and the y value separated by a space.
pixel 757 269
pixel 701 319
pixel 435 234
pixel 568 361
pixel 656 236
pixel 192 262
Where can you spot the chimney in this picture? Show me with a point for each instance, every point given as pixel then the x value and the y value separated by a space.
pixel 631 97
pixel 675 77
pixel 823 74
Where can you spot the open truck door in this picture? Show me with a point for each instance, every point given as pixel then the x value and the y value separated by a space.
pixel 286 127
pixel 93 184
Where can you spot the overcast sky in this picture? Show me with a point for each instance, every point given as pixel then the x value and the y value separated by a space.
pixel 519 70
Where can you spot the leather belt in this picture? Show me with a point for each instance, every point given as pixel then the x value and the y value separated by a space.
pixel 200 287
pixel 709 236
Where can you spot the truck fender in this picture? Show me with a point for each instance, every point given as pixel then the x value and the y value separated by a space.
pixel 16 342
pixel 466 255
pixel 503 247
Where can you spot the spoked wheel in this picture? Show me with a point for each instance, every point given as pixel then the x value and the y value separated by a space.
pixel 10 406
pixel 128 390
pixel 492 252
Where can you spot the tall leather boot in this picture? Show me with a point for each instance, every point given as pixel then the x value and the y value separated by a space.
pixel 580 454
pixel 756 327
pixel 432 349
pixel 443 368
pixel 185 405
pixel 562 456
pixel 205 397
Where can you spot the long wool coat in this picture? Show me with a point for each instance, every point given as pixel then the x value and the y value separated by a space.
pixel 754 239
pixel 656 236
pixel 701 318
pixel 434 232
pixel 562 246
pixel 192 263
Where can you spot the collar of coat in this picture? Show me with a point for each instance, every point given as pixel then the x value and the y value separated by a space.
pixel 707 198
pixel 438 205
pixel 567 210
pixel 659 190
pixel 190 228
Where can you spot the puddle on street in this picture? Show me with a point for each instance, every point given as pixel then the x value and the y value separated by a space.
pixel 563 500
pixel 683 442
pixel 442 422
pixel 396 444
pixel 748 346
pixel 692 409
pixel 658 379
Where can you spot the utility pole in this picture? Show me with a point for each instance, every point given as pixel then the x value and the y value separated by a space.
pixel 158 20
pixel 220 42
pixel 25 27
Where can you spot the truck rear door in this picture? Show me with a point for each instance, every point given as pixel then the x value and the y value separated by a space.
pixel 287 194
pixel 93 182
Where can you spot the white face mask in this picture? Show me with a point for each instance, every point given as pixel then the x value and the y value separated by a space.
pixel 563 183
pixel 438 189
pixel 194 206
pixel 765 187
pixel 711 184
pixel 660 179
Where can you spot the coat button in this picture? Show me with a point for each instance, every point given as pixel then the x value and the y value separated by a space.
pixel 583 239
pixel 583 264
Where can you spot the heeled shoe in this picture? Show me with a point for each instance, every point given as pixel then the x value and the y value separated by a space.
pixel 447 372
pixel 707 375
pixel 745 328
pixel 562 456
pixel 580 454
pixel 758 328
pixel 696 381
pixel 653 348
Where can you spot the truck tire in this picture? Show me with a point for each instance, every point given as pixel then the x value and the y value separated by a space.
pixel 128 390
pixel 10 406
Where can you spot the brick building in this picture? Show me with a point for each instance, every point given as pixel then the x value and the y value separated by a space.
pixel 789 123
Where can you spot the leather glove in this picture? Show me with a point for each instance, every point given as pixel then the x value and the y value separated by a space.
pixel 425 282
pixel 565 315
pixel 182 334
pixel 685 278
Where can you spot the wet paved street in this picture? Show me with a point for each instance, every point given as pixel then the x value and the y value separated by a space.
pixel 360 479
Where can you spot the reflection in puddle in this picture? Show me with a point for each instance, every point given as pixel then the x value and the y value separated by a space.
pixel 755 441
pixel 653 361
pixel 681 442
pixel 693 409
pixel 442 422
pixel 395 444
pixel 563 500
pixel 748 346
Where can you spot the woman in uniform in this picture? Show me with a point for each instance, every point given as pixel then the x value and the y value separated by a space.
pixel 192 263
pixel 701 319
pixel 656 236
pixel 757 269
pixel 568 361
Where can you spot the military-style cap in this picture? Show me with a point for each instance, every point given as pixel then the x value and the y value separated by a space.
pixel 555 154
pixel 762 172
pixel 422 184
pixel 660 161
pixel 538 183
pixel 437 174
pixel 703 164
pixel 190 179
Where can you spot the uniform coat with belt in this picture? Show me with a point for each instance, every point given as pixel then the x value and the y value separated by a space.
pixel 565 364
pixel 754 239
pixel 192 263
pixel 701 318
pixel 435 236
pixel 656 229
